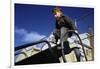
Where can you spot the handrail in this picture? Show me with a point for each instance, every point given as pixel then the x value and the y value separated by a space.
pixel 34 43
pixel 21 53
pixel 79 40
pixel 30 44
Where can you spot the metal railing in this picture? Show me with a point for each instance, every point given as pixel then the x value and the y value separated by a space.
pixel 63 55
pixel 34 43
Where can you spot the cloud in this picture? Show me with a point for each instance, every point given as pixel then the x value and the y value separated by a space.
pixel 27 37
pixel 32 37
pixel 21 31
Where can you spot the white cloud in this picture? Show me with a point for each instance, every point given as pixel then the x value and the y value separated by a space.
pixel 28 36
pixel 33 36
pixel 21 31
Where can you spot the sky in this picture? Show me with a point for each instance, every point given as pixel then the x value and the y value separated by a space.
pixel 34 22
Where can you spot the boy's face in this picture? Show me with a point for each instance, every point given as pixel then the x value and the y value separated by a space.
pixel 57 14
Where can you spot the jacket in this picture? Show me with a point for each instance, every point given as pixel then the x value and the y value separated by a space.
pixel 67 22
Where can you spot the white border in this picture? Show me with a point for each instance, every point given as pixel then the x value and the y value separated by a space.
pixel 12 34
pixel 5 35
pixel 35 2
pixel 75 3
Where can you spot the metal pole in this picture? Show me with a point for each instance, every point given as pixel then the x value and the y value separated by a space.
pixel 79 40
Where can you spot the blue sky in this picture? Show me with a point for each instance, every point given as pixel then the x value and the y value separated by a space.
pixel 33 22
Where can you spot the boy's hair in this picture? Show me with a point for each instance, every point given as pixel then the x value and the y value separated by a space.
pixel 56 10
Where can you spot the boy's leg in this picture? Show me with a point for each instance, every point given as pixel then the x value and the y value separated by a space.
pixel 64 38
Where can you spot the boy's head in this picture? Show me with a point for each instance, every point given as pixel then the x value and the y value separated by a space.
pixel 57 12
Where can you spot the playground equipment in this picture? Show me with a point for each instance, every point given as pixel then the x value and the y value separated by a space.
pixel 51 52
